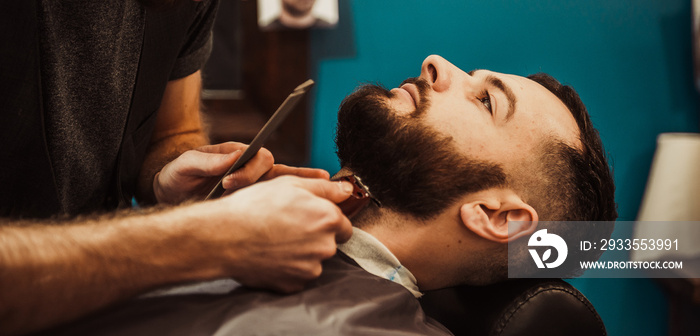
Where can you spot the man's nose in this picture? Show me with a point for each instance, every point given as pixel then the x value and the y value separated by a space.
pixel 437 71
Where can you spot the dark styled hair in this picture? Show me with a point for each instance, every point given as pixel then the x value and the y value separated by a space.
pixel 567 185
pixel 578 182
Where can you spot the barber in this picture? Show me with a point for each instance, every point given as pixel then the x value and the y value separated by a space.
pixel 95 99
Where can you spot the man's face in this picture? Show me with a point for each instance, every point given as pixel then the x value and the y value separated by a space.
pixel 421 146
pixel 491 116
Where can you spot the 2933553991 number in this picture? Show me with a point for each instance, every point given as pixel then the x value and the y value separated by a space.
pixel 639 244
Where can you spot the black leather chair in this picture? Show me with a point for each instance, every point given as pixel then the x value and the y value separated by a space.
pixel 517 307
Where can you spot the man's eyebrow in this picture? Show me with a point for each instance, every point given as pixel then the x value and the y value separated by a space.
pixel 497 83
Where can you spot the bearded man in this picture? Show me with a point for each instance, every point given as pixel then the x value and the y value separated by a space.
pixel 457 165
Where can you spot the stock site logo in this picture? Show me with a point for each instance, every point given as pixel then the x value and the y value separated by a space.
pixel 542 238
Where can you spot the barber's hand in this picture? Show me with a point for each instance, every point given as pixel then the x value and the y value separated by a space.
pixel 280 230
pixel 192 175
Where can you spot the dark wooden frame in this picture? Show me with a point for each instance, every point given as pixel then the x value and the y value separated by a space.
pixel 273 64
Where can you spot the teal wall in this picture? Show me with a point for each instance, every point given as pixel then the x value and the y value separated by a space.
pixel 629 60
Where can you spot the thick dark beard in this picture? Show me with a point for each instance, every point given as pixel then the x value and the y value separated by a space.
pixel 408 166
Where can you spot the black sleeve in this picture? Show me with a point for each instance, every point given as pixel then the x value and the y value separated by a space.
pixel 197 46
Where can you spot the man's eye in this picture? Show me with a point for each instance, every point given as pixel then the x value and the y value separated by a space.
pixel 486 100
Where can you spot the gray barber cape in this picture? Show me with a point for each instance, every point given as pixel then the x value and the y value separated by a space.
pixel 344 300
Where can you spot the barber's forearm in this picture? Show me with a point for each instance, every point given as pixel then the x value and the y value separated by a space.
pixel 178 128
pixel 54 273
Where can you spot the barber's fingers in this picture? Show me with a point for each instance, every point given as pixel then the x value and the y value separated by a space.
pixel 198 163
pixel 254 167
pixel 344 231
pixel 223 148
pixel 335 192
pixel 251 172
pixel 260 164
pixel 281 170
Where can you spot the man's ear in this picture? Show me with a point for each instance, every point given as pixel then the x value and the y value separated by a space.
pixel 499 216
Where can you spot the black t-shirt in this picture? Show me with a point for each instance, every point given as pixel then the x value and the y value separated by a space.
pixel 90 53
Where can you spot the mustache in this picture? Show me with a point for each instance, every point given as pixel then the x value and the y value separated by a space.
pixel 422 84
pixel 377 90
pixel 423 88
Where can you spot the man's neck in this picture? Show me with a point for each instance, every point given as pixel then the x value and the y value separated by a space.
pixel 418 245
pixel 375 258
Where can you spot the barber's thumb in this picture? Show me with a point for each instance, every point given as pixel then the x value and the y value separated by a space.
pixel 346 190
pixel 334 191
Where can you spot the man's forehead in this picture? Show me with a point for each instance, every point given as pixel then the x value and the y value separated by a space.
pixel 543 106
